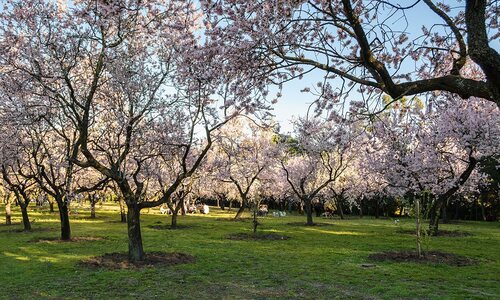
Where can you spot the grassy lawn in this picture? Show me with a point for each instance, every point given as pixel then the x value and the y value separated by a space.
pixel 316 262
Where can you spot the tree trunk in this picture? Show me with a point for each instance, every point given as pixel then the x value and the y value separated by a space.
pixel 483 211
pixel 8 214
pixel 457 211
pixel 135 249
pixel 255 222
pixel 174 219
pixel 51 206
pixel 92 209
pixel 64 218
pixel 184 207
pixel 222 203
pixel 377 213
pixel 434 217
pixel 309 213
pixel 417 220
pixel 340 209
pixel 444 213
pixel 240 210
pixel 123 214
pixel 26 219
pixel 361 208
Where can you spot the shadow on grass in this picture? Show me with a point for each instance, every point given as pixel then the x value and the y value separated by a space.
pixel 443 233
pixel 316 224
pixel 76 239
pixel 16 228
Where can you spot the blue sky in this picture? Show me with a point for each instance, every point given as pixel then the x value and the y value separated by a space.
pixel 295 103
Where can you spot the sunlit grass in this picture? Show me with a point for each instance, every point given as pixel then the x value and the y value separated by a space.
pixel 316 262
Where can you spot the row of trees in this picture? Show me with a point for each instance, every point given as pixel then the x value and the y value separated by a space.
pixel 146 96
pixel 431 157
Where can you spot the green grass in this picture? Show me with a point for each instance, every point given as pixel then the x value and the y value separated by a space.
pixel 317 262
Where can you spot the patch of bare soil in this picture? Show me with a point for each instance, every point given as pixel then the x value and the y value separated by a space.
pixel 445 233
pixel 116 261
pixel 169 227
pixel 433 257
pixel 313 225
pixel 75 239
pixel 257 237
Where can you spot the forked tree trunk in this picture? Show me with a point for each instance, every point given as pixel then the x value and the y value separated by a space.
pixel 26 219
pixel 8 214
pixel 308 210
pixel 135 249
pixel 241 209
pixel 64 219
pixel 434 217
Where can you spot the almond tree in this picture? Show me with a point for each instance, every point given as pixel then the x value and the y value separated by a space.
pixel 325 154
pixel 377 45
pixel 244 155
pixel 15 151
pixel 134 82
pixel 435 153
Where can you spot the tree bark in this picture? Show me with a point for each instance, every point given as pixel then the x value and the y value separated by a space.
pixel 241 209
pixel 340 209
pixel 8 214
pixel 26 219
pixel 444 213
pixel 361 208
pixel 92 209
pixel 64 219
pixel 51 206
pixel 483 211
pixel 417 220
pixel 478 45
pixel 255 222
pixel 308 210
pixel 173 224
pixel 135 249
pixel 434 218
pixel 123 214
